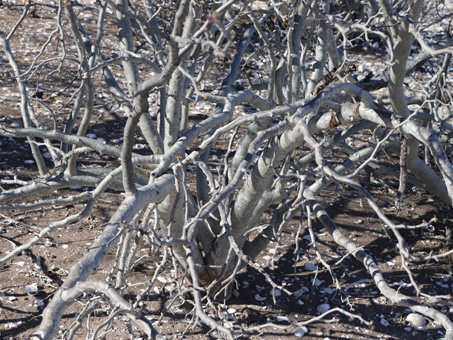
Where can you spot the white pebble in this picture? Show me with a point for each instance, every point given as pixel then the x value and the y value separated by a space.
pixel 139 146
pixel 31 289
pixel 228 325
pixel 281 318
pixel 39 303
pixel 162 279
pixel 299 333
pixel 415 320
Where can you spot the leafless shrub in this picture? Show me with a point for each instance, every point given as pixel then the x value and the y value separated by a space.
pixel 295 64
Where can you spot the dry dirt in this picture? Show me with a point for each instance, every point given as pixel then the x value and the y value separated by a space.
pixel 29 280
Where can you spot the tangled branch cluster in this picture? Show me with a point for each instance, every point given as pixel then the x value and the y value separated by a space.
pixel 295 65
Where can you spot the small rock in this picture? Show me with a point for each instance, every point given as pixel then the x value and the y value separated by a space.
pixel 31 289
pixel 384 322
pixel 308 238
pixel 139 146
pixel 415 320
pixel 39 303
pixel 251 316
pixel 299 333
pixel 328 290
pixel 228 325
pixel 282 318
pixel 301 291
pixel 323 308
pixel 381 300
pixel 309 266
pixel 259 297
pixel 162 279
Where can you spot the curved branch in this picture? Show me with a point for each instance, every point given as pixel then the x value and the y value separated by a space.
pixel 88 264
pixel 373 269
pixel 95 286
